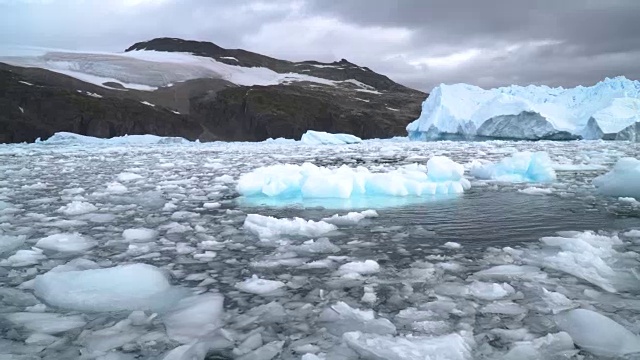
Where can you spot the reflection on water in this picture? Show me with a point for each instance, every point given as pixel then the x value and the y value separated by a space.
pixel 352 203
pixel 477 218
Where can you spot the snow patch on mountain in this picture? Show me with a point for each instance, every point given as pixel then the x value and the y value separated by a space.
pixel 148 70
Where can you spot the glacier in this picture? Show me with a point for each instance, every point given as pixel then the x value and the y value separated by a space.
pixel 608 110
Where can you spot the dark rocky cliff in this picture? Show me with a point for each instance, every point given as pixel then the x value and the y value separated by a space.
pixel 207 108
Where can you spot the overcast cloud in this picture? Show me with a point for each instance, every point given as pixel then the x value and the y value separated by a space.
pixel 419 43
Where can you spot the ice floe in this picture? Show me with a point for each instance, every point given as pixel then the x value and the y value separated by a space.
pixel 66 242
pixel 267 227
pixel 124 287
pixel 598 334
pixel 323 138
pixel 255 285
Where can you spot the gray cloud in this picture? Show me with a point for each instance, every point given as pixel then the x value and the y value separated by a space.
pixel 420 43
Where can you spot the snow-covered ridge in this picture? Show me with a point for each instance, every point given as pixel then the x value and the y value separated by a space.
pixel 609 109
pixel 148 70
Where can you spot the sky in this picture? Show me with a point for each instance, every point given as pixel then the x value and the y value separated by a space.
pixel 419 43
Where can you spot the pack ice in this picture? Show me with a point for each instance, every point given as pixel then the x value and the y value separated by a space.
pixel 608 110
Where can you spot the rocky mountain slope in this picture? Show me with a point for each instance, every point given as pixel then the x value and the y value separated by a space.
pixel 197 90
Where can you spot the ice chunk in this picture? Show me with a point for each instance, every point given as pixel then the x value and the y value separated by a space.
pixel 622 180
pixel 111 337
pixel 211 205
pixel 66 242
pixel 351 218
pixel 266 352
pixel 322 138
pixel 519 167
pixel 632 233
pixel 196 350
pixel 504 308
pixel 116 188
pixel 556 302
pixel 40 339
pixel 532 112
pixel 536 191
pixel 511 272
pixel 46 323
pixel 341 318
pixel 551 346
pixel 267 227
pixel 371 346
pixel 77 208
pixel 320 246
pixel 490 291
pixel 588 256
pixel 452 245
pixel 255 285
pixel 9 243
pixel 359 267
pixel 124 287
pixel 194 317
pixel 598 334
pixel 139 235
pixel 24 258
pixel 127 176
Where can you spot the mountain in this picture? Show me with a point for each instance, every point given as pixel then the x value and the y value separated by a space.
pixel 608 110
pixel 197 90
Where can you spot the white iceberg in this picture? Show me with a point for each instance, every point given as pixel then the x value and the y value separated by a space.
pixel 608 109
pixel 442 176
pixel 312 137
pixel 622 181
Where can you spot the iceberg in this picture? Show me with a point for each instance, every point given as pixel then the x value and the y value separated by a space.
pixel 287 182
pixel 608 110
pixel 520 167
pixel 322 138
